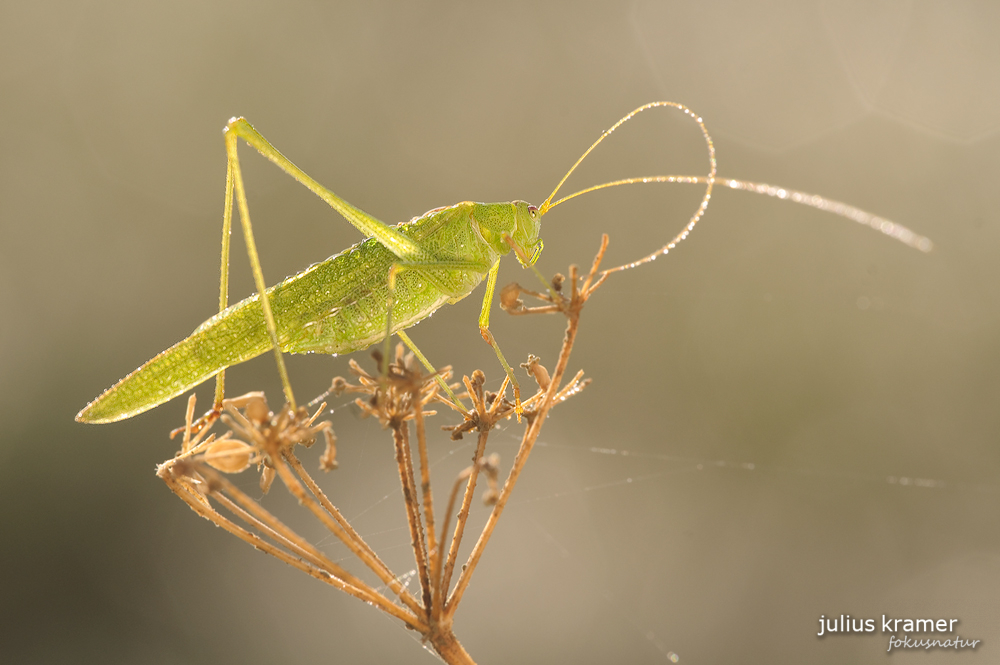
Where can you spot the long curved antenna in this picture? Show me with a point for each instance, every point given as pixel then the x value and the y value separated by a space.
pixel 885 226
pixel 709 181
pixel 880 224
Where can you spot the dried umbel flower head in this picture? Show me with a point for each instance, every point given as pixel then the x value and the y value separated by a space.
pixel 391 398
pixel 275 434
pixel 270 432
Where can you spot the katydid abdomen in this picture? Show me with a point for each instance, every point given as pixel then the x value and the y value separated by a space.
pixel 336 306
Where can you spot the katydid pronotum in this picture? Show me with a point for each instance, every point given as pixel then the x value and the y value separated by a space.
pixel 379 287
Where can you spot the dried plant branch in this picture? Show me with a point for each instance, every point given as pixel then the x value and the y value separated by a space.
pixel 329 522
pixel 263 528
pixel 370 557
pixel 197 502
pixel 463 513
pixel 216 480
pixel 316 564
pixel 425 491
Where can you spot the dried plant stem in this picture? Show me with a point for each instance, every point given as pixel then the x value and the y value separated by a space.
pixel 401 440
pixel 425 491
pixel 448 647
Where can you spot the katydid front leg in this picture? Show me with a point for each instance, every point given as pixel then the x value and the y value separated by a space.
pixel 484 330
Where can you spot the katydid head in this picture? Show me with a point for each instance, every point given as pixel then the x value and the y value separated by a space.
pixel 510 225
pixel 527 221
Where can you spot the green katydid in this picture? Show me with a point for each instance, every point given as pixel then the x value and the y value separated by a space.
pixel 396 277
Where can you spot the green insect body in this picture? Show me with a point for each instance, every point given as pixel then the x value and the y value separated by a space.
pixel 336 306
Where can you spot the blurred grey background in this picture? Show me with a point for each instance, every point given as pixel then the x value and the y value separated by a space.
pixel 809 408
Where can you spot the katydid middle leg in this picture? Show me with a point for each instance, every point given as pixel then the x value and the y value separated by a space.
pixel 391 282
